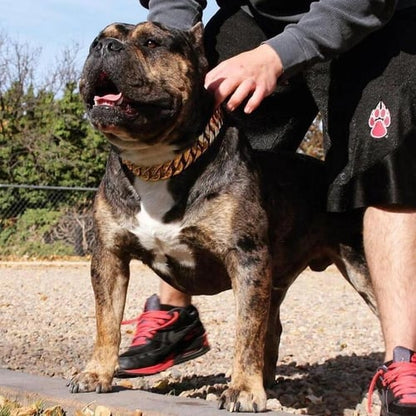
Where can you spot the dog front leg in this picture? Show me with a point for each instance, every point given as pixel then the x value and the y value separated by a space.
pixel 251 281
pixel 274 331
pixel 109 276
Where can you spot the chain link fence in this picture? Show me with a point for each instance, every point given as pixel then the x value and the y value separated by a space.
pixel 45 221
pixel 48 221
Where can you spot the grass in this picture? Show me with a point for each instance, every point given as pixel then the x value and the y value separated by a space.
pixel 10 407
pixel 13 408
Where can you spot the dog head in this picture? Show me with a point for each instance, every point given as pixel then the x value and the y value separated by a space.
pixel 143 86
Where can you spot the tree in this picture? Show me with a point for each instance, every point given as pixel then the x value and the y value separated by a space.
pixel 44 135
pixel 45 138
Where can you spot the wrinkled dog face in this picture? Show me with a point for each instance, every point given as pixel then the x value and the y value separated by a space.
pixel 138 80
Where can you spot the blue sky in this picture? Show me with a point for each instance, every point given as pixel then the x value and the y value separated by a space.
pixel 55 24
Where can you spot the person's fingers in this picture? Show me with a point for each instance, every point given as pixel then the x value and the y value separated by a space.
pixel 224 89
pixel 243 90
pixel 220 71
pixel 250 76
pixel 214 78
pixel 211 79
pixel 255 100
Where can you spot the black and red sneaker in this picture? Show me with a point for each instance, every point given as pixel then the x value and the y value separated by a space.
pixel 396 383
pixel 164 336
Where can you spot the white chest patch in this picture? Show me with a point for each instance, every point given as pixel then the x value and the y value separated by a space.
pixel 154 235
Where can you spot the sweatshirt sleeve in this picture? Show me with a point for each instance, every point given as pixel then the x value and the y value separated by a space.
pixel 328 29
pixel 179 14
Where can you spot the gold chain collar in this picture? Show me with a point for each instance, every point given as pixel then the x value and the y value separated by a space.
pixel 181 162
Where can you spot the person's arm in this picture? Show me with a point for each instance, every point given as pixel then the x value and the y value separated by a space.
pixel 179 14
pixel 328 29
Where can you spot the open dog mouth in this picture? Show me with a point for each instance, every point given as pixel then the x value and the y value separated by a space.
pixel 107 95
pixel 115 101
pixel 108 101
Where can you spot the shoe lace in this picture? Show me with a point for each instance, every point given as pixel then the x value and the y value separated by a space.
pixel 400 378
pixel 148 323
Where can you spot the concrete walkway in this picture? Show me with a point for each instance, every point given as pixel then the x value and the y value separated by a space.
pixel 24 387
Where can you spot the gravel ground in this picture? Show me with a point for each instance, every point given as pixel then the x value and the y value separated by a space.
pixel 330 348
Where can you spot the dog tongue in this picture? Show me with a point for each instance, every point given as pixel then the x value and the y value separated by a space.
pixel 109 99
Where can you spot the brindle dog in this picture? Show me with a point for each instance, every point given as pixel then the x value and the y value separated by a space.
pixel 190 199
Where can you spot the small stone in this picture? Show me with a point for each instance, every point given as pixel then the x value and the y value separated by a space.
pixel 161 384
pixel 274 404
pixel 211 397
pixel 126 384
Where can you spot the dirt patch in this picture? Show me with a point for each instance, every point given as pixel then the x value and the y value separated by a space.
pixel 330 349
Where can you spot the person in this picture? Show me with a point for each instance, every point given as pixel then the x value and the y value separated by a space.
pixel 274 66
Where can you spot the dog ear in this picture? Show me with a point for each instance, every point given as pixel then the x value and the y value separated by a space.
pixel 197 32
pixel 196 37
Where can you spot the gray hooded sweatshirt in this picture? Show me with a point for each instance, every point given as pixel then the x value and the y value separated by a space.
pixel 315 31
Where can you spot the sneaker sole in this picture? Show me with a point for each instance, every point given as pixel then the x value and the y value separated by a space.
pixel 170 361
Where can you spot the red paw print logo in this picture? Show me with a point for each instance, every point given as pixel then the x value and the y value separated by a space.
pixel 379 121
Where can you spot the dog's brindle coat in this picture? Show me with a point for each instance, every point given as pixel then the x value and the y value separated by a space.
pixel 235 218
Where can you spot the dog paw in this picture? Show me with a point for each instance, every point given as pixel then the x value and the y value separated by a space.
pixel 239 400
pixel 89 381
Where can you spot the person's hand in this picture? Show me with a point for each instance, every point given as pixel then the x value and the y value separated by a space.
pixel 250 74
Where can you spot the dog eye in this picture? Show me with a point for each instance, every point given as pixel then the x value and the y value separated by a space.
pixel 150 43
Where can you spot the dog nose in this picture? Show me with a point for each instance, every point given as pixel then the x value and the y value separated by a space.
pixel 107 45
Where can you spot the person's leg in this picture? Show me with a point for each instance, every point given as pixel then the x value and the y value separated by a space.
pixel 166 334
pixel 170 296
pixel 371 164
pixel 390 248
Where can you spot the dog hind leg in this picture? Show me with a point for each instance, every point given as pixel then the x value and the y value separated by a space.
pixel 274 331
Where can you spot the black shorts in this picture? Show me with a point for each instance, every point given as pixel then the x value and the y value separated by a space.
pixel 367 99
